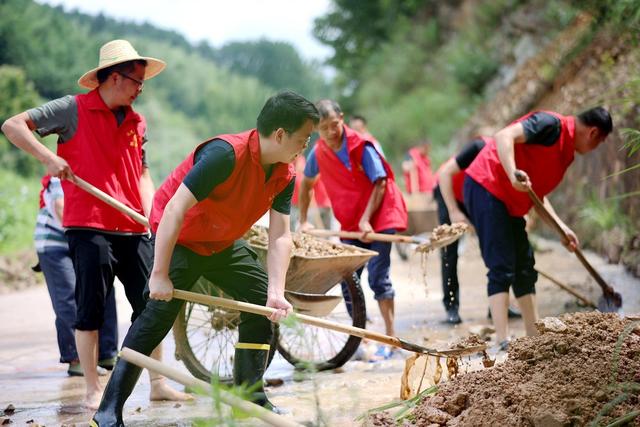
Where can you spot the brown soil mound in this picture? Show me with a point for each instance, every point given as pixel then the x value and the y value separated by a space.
pixel 16 273
pixel 303 244
pixel 567 376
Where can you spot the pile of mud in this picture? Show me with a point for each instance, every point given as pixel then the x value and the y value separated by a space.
pixel 303 244
pixel 16 272
pixel 582 367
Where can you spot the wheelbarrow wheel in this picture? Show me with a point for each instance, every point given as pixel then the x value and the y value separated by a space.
pixel 314 348
pixel 206 337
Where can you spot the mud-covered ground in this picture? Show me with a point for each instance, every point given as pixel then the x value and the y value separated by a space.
pixel 569 375
pixel 38 387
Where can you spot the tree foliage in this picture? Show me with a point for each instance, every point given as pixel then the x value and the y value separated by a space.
pixel 203 91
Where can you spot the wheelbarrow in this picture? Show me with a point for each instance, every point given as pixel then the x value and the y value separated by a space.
pixel 205 336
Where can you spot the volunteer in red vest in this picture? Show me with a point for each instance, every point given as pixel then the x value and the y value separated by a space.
pixel 56 265
pixel 100 138
pixel 417 169
pixel 363 194
pixel 448 196
pixel 541 145
pixel 199 216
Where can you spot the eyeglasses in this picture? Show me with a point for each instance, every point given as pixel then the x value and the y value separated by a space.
pixel 140 83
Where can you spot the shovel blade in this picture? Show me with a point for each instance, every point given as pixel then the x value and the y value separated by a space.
pixel 610 303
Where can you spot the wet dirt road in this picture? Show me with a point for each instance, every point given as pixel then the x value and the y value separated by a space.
pixel 38 387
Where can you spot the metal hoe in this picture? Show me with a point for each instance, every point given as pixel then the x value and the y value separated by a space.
pixel 610 301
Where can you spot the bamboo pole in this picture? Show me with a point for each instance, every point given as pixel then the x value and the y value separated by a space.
pixel 245 406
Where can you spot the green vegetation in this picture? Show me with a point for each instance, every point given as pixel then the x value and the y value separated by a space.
pixel 203 92
pixel 18 208
pixel 420 69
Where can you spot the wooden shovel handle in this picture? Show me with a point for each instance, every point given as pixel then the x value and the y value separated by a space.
pixel 110 200
pixel 245 406
pixel 267 311
pixel 608 290
pixel 567 288
pixel 381 237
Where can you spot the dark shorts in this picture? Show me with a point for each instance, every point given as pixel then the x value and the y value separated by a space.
pixel 98 258
pixel 504 243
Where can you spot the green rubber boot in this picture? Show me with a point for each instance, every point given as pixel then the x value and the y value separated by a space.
pixel 249 365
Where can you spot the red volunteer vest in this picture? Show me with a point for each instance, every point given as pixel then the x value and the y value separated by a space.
pixel 426 179
pixel 45 184
pixel 544 165
pixel 214 223
pixel 109 157
pixel 349 190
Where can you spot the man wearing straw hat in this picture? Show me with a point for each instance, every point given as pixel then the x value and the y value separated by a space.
pixel 100 138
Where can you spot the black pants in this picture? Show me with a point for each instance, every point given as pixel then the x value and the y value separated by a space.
pixel 448 258
pixel 236 271
pixel 98 258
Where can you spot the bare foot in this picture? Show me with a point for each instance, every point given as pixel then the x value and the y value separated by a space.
pixel 92 399
pixel 160 390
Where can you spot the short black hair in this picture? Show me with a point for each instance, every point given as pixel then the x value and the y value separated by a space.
pixel 326 107
pixel 598 117
pixel 286 110
pixel 123 67
pixel 359 117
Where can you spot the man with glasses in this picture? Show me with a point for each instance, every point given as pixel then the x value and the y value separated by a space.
pixel 100 139
pixel 199 215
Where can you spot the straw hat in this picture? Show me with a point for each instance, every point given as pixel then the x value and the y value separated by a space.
pixel 117 52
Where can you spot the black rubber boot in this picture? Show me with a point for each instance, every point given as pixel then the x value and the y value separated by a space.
pixel 249 365
pixel 119 388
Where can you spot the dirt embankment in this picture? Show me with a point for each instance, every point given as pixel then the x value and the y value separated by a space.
pixel 583 367
pixel 16 273
pixel 589 63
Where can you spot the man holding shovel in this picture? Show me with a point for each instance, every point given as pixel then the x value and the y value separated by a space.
pixel 100 138
pixel 363 194
pixel 199 215
pixel 538 147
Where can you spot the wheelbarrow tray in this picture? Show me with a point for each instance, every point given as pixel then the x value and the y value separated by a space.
pixel 318 274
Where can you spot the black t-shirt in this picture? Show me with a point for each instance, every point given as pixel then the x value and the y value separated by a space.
pixel 213 164
pixel 469 152
pixel 541 128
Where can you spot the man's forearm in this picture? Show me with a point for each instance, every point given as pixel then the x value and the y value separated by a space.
pixel 505 148
pixel 166 238
pixel 278 256
pixel 17 131
pixel 445 181
pixel 147 190
pixel 375 199
pixel 304 199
